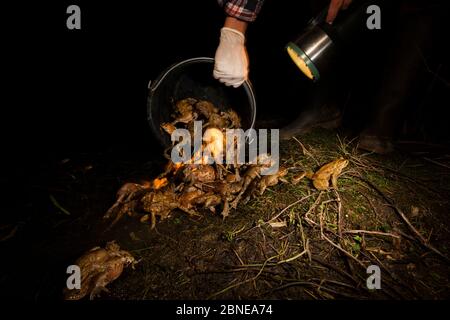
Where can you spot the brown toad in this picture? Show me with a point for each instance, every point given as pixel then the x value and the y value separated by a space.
pixel 99 267
pixel 160 203
pixel 330 171
pixel 185 112
pixel 206 108
pixel 199 173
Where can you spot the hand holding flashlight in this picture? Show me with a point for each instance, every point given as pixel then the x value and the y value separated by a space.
pixel 335 7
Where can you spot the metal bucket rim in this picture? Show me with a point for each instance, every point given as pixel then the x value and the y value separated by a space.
pixel 247 85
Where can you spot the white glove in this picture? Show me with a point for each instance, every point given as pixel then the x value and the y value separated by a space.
pixel 231 61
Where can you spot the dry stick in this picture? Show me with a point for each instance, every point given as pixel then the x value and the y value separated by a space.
pixel 305 151
pixel 10 234
pixel 313 223
pixel 311 294
pixel 422 240
pixel 404 235
pixel 436 163
pixel 418 234
pixel 286 235
pixel 57 205
pixel 361 164
pixel 399 174
pixel 291 284
pixel 382 195
pixel 339 223
pixel 305 241
pixel 335 245
pixel 312 284
pixel 334 268
pixel 296 256
pixel 314 205
pixel 339 213
pixel 374 233
pixel 344 251
pixel 239 258
pixel 343 284
pixel 371 204
pixel 253 265
pixel 328 240
pixel 242 282
pixel 321 222
pixel 395 278
pixel 289 206
pixel 434 73
pixel 264 239
pixel 381 264
pixel 429 236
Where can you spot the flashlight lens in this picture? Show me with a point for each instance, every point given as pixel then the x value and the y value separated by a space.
pixel 300 63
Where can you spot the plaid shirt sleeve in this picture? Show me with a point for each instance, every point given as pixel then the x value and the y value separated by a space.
pixel 246 10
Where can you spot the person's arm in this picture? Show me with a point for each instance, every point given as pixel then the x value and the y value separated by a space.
pixel 335 7
pixel 236 24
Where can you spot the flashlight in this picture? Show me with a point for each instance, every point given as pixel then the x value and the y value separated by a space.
pixel 321 44
pixel 312 51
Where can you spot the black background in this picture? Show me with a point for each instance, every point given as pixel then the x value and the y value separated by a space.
pixel 70 92
pixel 86 89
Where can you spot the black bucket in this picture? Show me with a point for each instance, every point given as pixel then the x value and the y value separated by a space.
pixel 193 78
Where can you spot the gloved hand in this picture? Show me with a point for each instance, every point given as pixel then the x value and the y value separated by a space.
pixel 231 61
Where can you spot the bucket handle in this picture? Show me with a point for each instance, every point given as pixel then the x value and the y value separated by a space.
pixel 153 85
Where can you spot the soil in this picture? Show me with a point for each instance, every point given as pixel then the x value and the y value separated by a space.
pixel 313 252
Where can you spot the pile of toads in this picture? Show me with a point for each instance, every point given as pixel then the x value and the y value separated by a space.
pixel 196 186
pixel 193 187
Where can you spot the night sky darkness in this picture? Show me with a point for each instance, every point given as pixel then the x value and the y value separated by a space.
pixel 84 89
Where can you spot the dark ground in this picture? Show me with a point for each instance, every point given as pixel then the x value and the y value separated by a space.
pixel 244 256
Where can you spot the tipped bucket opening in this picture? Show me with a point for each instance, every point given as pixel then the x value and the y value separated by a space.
pixel 193 78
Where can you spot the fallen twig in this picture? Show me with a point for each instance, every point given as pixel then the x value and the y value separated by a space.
pixel 242 282
pixel 315 285
pixel 436 163
pixel 10 234
pixel 289 206
pixel 339 218
pixel 314 205
pixel 423 241
pixel 336 269
pixel 57 205
pixel 418 235
pixel 374 233
pixel 393 276
pixel 305 151
pixel 348 254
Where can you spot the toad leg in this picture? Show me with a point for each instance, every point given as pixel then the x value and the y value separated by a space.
pixel 96 291
pixel 334 180
pixel 153 220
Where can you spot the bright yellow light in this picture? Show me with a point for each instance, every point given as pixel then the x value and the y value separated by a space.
pixel 300 63
pixel 159 183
